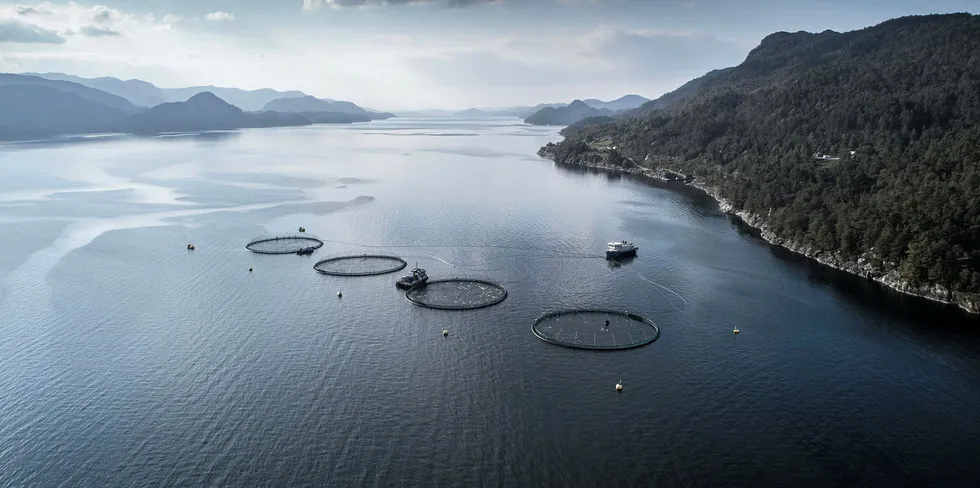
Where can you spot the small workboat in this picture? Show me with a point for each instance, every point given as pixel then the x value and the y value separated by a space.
pixel 306 250
pixel 417 278
pixel 620 249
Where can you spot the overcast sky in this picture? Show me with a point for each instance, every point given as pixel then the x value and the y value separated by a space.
pixel 407 54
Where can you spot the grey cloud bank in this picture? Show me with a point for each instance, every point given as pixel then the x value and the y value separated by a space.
pixel 22 32
pixel 99 31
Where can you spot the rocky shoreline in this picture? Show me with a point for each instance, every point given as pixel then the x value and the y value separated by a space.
pixel 612 161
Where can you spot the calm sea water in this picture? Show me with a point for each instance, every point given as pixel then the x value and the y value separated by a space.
pixel 126 360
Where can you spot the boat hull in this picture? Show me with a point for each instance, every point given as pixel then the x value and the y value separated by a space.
pixel 409 284
pixel 620 254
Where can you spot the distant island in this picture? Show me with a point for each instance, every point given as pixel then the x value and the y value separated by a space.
pixel 573 112
pixel 519 111
pixel 552 113
pixel 858 149
pixel 477 113
pixel 583 109
pixel 35 107
pixel 311 104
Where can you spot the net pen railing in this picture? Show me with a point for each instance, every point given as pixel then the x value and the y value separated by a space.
pixel 360 265
pixel 457 294
pixel 595 329
pixel 284 244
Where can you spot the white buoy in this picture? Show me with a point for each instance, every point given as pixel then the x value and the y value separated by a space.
pixel 735 331
pixel 445 332
pixel 249 270
pixel 619 386
pixel 340 294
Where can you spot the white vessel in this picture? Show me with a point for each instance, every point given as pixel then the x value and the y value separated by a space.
pixel 620 249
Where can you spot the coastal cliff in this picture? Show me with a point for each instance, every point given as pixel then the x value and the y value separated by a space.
pixel 609 159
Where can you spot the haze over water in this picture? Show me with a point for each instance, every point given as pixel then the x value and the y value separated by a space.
pixel 127 360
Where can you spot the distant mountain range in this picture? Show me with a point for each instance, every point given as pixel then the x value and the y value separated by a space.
pixel 601 112
pixel 145 94
pixel 311 104
pixel 135 107
pixel 203 111
pixel 558 113
pixel 85 92
pixel 627 102
pixel 251 100
pixel 33 111
pixel 137 92
pixel 519 111
pixel 33 107
pixel 620 104
pixel 570 114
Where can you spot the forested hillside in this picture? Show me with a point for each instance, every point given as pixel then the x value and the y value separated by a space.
pixel 903 96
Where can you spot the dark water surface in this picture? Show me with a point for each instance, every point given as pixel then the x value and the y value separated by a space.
pixel 126 360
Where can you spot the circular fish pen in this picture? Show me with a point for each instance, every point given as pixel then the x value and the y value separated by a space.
pixel 360 265
pixel 603 330
pixel 285 245
pixel 457 294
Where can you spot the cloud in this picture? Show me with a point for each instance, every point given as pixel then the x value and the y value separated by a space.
pixel 317 4
pixel 39 9
pixel 72 18
pixel 219 16
pixel 98 31
pixel 102 14
pixel 17 31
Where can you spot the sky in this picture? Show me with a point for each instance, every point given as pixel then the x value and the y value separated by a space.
pixel 420 54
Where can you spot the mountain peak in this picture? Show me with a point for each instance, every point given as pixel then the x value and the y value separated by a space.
pixel 631 96
pixel 205 97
